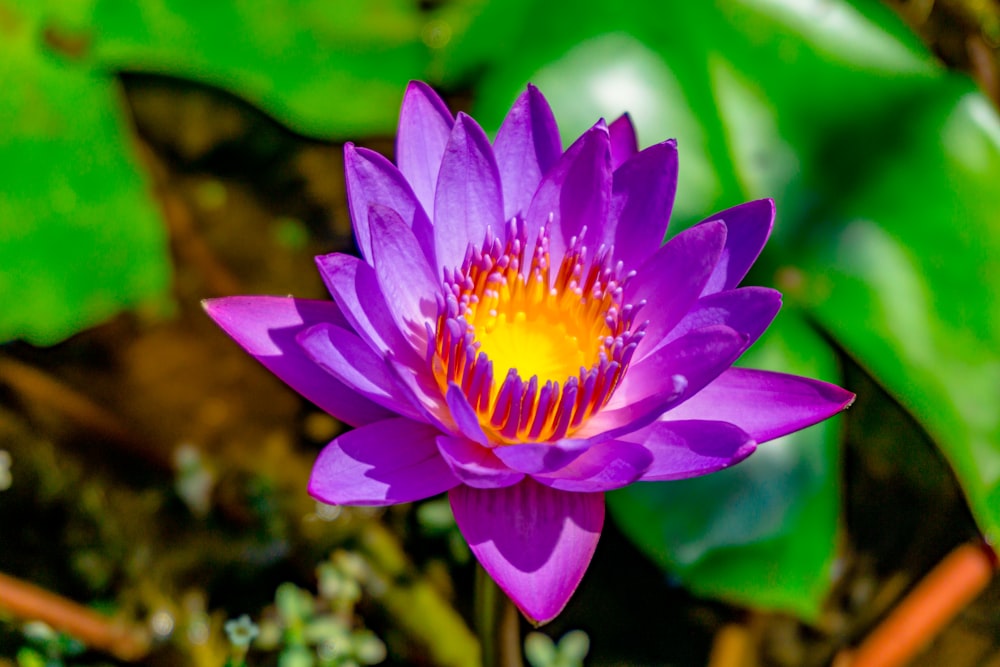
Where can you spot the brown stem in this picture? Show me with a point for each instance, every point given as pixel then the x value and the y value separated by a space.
pixel 30 602
pixel 732 647
pixel 192 249
pixel 43 389
pixel 935 601
pixel 985 68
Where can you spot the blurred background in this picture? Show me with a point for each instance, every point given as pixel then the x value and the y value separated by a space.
pixel 154 153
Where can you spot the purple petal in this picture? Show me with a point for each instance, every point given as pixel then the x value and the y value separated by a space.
pixel 541 457
pixel 575 192
pixel 424 127
pixel 266 328
pixel 526 147
pixel 342 354
pixel 764 404
pixel 464 415
pixel 664 379
pixel 406 280
pixel 475 465
pixel 605 466
pixel 623 140
pixel 468 199
pixel 671 280
pixel 423 392
pixel 354 287
pixel 371 179
pixel 643 196
pixel 534 541
pixel 749 227
pixel 682 449
pixel 388 462
pixel 748 310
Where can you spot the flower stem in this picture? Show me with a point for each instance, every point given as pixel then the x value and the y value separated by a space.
pixel 497 622
pixel 935 601
pixel 96 631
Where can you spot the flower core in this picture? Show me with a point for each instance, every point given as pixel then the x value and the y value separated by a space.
pixel 535 354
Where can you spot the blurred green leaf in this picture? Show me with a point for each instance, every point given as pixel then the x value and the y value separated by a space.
pixel 712 75
pixel 761 533
pixel 903 273
pixel 331 69
pixel 80 238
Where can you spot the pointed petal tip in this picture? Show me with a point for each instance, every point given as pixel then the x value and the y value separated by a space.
pixel 766 209
pixel 837 398
pixel 418 87
pixel 744 452
pixel 848 400
pixel 316 489
pixel 717 226
pixel 464 415
pixel 536 95
pixel 624 142
pixel 598 130
pixel 686 449
pixel 539 556
pixel 540 617
pixel 765 404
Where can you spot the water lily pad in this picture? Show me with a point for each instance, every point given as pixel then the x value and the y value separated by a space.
pixel 762 533
pixel 80 238
pixel 331 69
pixel 903 273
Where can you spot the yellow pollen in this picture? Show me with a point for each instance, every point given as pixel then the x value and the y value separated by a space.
pixel 535 354
pixel 540 340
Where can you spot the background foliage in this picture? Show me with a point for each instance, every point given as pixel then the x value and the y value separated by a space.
pixel 882 161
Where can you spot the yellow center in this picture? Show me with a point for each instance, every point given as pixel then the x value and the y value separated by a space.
pixel 542 332
pixel 535 354
pixel 539 345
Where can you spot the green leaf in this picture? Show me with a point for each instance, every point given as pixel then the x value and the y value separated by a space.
pixel 79 237
pixel 331 69
pixel 762 533
pixel 712 76
pixel 903 273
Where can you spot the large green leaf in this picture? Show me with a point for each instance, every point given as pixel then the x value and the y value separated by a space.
pixel 695 73
pixel 763 532
pixel 79 237
pixel 332 69
pixel 904 274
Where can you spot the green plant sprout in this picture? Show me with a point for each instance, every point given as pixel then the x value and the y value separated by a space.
pixel 315 630
pixel 541 651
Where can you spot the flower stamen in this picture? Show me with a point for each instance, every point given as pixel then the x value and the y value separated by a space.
pixel 535 354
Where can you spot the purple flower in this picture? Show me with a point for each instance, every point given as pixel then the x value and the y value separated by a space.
pixel 516 336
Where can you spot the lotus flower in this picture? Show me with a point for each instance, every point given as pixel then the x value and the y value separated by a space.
pixel 516 335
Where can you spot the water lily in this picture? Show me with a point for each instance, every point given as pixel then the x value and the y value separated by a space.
pixel 516 335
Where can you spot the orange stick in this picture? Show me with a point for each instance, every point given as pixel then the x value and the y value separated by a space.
pixel 936 600
pixel 733 647
pixel 96 631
